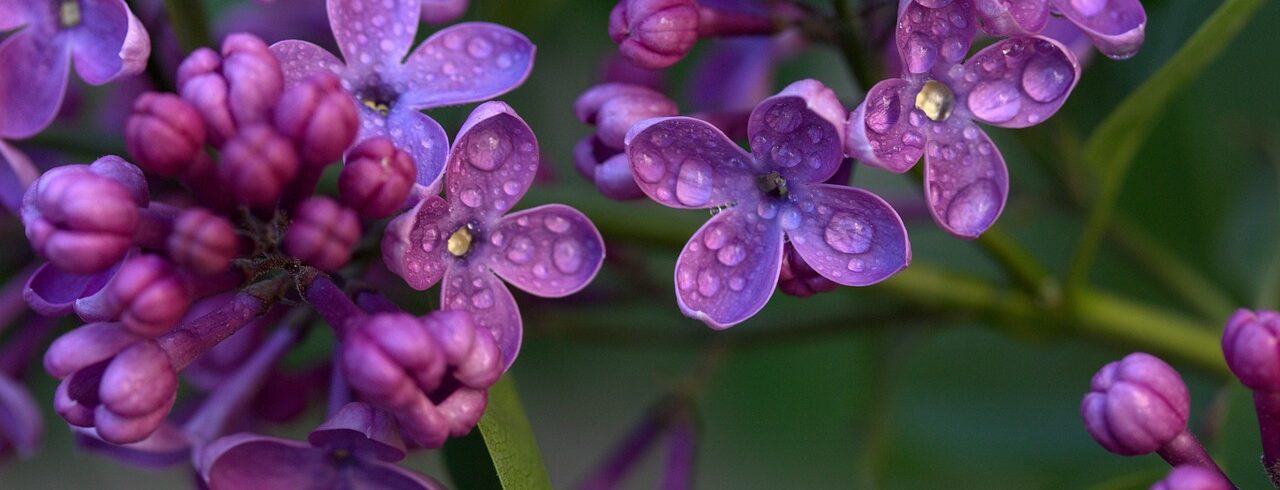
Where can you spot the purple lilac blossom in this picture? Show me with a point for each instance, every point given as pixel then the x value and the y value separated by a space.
pixel 1192 477
pixel 103 38
pixel 464 63
pixel 730 267
pixel 442 11
pixel 931 111
pixel 1251 346
pixel 464 240
pixel 377 178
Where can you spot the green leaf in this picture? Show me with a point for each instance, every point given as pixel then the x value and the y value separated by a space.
pixel 512 448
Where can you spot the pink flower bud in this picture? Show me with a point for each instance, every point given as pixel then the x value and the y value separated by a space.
pixel 164 134
pixel 377 178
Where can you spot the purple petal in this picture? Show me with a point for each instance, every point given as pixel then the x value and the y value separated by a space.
pixel 728 270
pixel 14 13
pixel 374 33
pixel 683 162
pixel 471 287
pixel 16 173
pixel 798 132
pixel 929 36
pixel 384 476
pixel 252 461
pixel 1019 82
pixel 53 292
pixel 20 424
pixel 467 62
pixel 492 162
pixel 734 75
pixel 31 96
pixel 167 446
pixel 363 430
pixel 879 134
pixel 301 59
pixel 418 134
pixel 1117 27
pixel 414 245
pixel 852 237
pixel 549 251
pixel 86 346
pixel 109 43
pixel 966 182
pixel 1013 17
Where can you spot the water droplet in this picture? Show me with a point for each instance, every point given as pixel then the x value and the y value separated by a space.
pixel 1047 78
pixel 685 279
pixel 1089 8
pixel 732 255
pixel 995 101
pixel 556 224
pixel 449 68
pixel 974 208
pixel 736 283
pixel 520 251
pixel 922 53
pixel 412 266
pixel 693 185
pixel 857 265
pixel 479 48
pixel 511 187
pixel 970 133
pixel 471 197
pixel 453 40
pixel 913 139
pixel 767 210
pixel 649 167
pixel 482 300
pixel 848 233
pixel 487 150
pixel 715 237
pixel 567 256
pixel 504 61
pixel 785 155
pixel 790 218
pixel 540 270
pixel 883 113
pixel 782 119
pixel 708 283
pixel 498 239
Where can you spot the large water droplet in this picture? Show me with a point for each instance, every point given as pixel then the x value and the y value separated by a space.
pixel 1047 78
pixel 567 256
pixel 487 150
pixel 767 210
pixel 790 218
pixel 848 233
pixel 520 251
pixel 482 300
pixel 693 185
pixel 556 224
pixel 471 197
pixel 782 119
pixel 715 237
pixel 974 208
pixel 882 113
pixel 785 155
pixel 737 283
pixel 732 255
pixel 857 265
pixel 1089 8
pixel 511 187
pixel 649 166
pixel 922 53
pixel 708 283
pixel 479 48
pixel 995 101
pixel 686 279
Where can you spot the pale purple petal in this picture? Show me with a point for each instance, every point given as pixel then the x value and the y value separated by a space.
pixel 167 446
pixel 16 173
pixel 966 182
pixel 467 62
pixel 419 135
pixel 31 96
pixel 1019 82
pixel 109 43
pixel 414 245
pixel 728 270
pixel 549 251
pixel 470 286
pixel 879 134
pixel 1117 27
pixel 492 163
pixel 21 426
pixel 850 236
pixel 1063 31
pixel 363 430
pixel 301 59
pixel 53 292
pixel 442 11
pixel 374 33
pixel 928 36
pixel 14 13
pixel 683 162
pixel 799 132
pixel 86 346
pixel 252 461
pixel 1013 17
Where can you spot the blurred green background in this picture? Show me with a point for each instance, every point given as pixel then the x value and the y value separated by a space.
pixel 905 403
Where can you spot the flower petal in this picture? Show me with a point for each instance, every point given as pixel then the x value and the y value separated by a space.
pixel 799 132
pixel 16 173
pixel 301 59
pixel 471 287
pixel 1019 82
pixel 735 74
pixel 850 236
pixel 683 162
pixel 966 182
pixel 362 429
pixel 879 134
pixel 1013 17
pixel 1117 27
pixel 414 244
pixel 110 42
pixel 370 33
pixel 928 36
pixel 549 251
pixel 252 461
pixel 53 292
pixel 385 476
pixel 20 424
pixel 31 96
pixel 467 62
pixel 492 163
pixel 14 13
pixel 167 446
pixel 728 270
pixel 417 134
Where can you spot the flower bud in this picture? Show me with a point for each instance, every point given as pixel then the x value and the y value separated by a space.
pixel 254 78
pixel 798 278
pixel 150 295
pixel 377 178
pixel 164 134
pixel 323 234
pixel 257 164
pixel 614 107
pixel 80 221
pixel 443 11
pixel 125 174
pixel 320 117
pixel 200 82
pixel 389 359
pixel 654 33
pixel 1137 405
pixel 1251 345
pixel 202 241
pixel 1192 477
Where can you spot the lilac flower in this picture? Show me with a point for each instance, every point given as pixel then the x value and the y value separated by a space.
pixel 1192 477
pixel 613 108
pixel 1251 346
pixel 549 251
pixel 729 268
pixel 102 36
pixel 931 110
pixel 1117 27
pixel 323 234
pixel 356 448
pixel 658 33
pixel 464 63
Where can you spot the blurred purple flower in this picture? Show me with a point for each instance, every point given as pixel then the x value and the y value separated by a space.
pixel 658 33
pixel 1192 477
pixel 442 11
pixel 1116 27
pixel 729 269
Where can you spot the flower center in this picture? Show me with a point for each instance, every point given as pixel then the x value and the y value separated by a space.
pixel 460 241
pixel 377 98
pixel 772 184
pixel 935 100
pixel 69 13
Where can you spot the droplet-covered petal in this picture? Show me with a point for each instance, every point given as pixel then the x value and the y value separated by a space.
pixel 299 60
pixel 467 62
pixel 728 270
pixel 848 235
pixel 1020 82
pixel 551 250
pixel 878 132
pixel 31 96
pixel 413 246
pixel 370 33
pixel 798 132
pixel 687 163
pixel 492 163
pixel 966 182
pixel 470 286
pixel 929 37
pixel 1013 17
pixel 1117 27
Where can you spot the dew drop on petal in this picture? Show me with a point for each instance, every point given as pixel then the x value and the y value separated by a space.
pixel 498 239
pixel 685 279
pixel 995 101
pixel 767 210
pixel 731 255
pixel 471 197
pixel 540 271
pixel 715 237
pixel 693 185
pixel 487 150
pixel 649 167
pixel 848 233
pixel 1089 8
pixel 708 283
pixel 479 48
pixel 520 251
pixel 790 218
pixel 511 187
pixel 974 207
pixel 785 155
pixel 782 119
pixel 737 283
pixel 567 256
pixel 482 300
pixel 883 113
pixel 556 224
pixel 857 265
pixel 1047 78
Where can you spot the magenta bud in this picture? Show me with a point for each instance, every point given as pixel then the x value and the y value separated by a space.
pixel 1192 477
pixel 614 107
pixel 323 234
pixel 150 295
pixel 1136 405
pixel 443 11
pixel 138 381
pixel 798 278
pixel 202 241
pixel 377 178
pixel 1251 345
pixel 257 164
pixel 125 174
pixel 164 134
pixel 654 33
pixel 390 359
pixel 200 82
pixel 80 221
pixel 254 79
pixel 320 117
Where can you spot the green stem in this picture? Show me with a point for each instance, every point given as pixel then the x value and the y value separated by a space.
pixel 1180 278
pixel 1019 264
pixel 190 23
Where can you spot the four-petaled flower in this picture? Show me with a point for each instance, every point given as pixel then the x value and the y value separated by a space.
pixel 728 270
pixel 550 251
pixel 930 111
pixel 464 63
pixel 102 36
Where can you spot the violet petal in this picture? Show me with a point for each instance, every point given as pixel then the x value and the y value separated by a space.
pixel 467 62
pixel 1013 17
pixel 1117 27
pixel 372 33
pixel 966 182
pixel 301 59
pixel 729 268
pixel 21 426
pixel 799 132
pixel 16 173
pixel 929 36
pixel 493 162
pixel 414 244
pixel 859 241
pixel 1031 79
pixel 109 43
pixel 879 134
pixel 30 97
pixel 472 287
pixel 550 251
pixel 683 162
